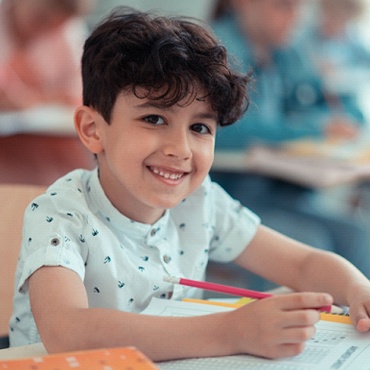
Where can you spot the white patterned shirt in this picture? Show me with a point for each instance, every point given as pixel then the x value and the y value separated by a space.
pixel 122 262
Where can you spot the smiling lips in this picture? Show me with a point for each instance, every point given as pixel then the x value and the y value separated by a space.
pixel 166 174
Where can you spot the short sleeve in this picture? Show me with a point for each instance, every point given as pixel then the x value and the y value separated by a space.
pixel 235 227
pixel 51 228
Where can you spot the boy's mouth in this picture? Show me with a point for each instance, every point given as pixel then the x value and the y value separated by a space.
pixel 167 174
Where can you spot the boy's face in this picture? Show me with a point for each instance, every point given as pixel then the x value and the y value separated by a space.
pixel 151 156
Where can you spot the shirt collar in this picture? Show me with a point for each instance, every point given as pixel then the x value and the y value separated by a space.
pixel 105 210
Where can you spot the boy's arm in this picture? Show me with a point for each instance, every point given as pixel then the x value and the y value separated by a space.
pixel 277 327
pixel 302 268
pixel 65 322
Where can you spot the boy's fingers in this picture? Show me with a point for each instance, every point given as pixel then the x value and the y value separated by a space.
pixel 298 335
pixel 301 318
pixel 363 325
pixel 297 301
pixel 290 350
pixel 361 319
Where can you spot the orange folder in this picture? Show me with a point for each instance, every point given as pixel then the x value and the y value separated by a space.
pixel 120 358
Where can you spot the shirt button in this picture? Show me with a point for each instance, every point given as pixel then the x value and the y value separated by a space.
pixel 167 259
pixel 55 242
pixel 153 232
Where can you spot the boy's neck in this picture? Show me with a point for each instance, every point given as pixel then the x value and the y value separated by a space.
pixel 131 211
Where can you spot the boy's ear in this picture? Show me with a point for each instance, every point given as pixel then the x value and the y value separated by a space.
pixel 87 122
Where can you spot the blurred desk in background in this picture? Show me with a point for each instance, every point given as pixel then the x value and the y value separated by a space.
pixel 306 163
pixel 40 145
pixel 40 159
pixel 47 119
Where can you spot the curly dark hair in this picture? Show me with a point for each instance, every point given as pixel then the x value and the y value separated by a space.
pixel 169 59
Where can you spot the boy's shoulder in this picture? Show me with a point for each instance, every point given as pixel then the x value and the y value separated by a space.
pixel 71 188
pixel 76 181
pixel 75 177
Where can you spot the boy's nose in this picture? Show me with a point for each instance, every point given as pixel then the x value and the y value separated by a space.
pixel 177 145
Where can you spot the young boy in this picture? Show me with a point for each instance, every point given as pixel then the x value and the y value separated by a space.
pixel 97 244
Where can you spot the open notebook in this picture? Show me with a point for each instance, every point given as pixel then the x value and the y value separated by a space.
pixel 336 344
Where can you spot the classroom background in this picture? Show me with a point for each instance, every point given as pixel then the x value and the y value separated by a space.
pixel 38 144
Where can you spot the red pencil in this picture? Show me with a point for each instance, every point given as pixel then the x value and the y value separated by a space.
pixel 225 289
pixel 217 287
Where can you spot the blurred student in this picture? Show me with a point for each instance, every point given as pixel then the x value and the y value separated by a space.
pixel 333 37
pixel 287 102
pixel 333 40
pixel 41 44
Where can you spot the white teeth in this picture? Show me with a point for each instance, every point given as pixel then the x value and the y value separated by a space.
pixel 167 175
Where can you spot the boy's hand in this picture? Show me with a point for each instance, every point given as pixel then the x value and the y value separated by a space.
pixel 359 308
pixel 278 326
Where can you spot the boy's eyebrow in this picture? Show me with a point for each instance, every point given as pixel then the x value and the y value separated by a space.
pixel 152 104
pixel 155 104
pixel 212 116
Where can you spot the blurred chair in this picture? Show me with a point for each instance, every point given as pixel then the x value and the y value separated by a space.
pixel 14 198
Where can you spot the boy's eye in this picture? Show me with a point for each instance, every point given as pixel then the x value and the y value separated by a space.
pixel 154 119
pixel 201 128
